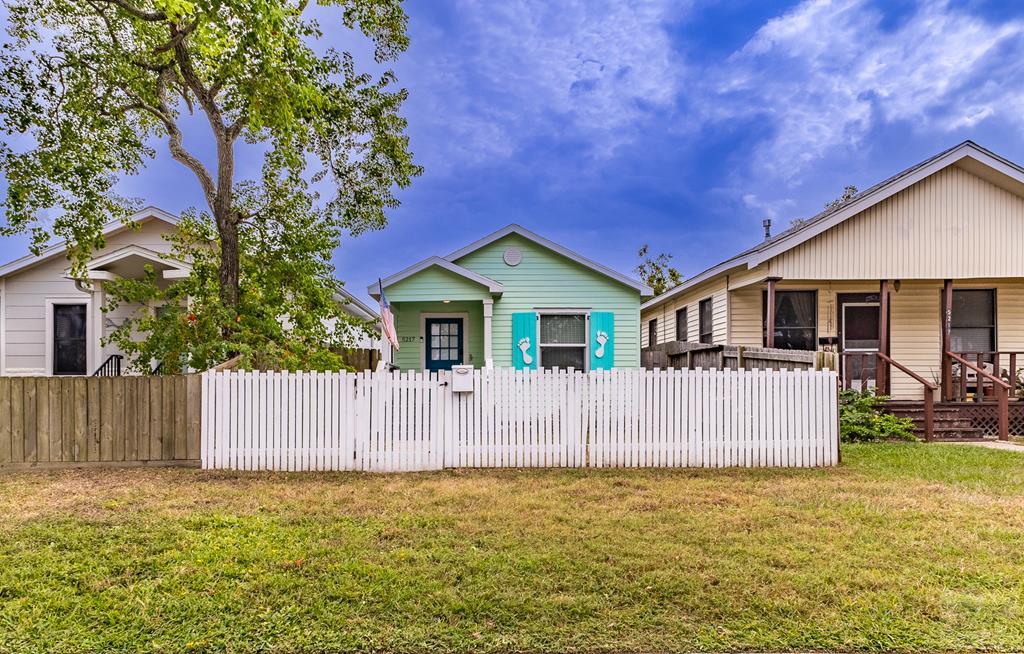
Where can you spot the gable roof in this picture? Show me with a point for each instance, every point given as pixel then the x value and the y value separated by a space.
pixel 111 227
pixel 492 286
pixel 448 262
pixel 113 256
pixel 554 247
pixel 968 154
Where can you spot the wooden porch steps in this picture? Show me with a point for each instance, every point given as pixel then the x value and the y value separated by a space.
pixel 949 422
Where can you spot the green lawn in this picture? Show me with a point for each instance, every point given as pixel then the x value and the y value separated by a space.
pixel 904 547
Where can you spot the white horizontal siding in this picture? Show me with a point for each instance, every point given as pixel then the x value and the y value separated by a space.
pixel 952 225
pixel 666 313
pixel 26 293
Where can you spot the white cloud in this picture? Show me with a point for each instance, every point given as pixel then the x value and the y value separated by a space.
pixel 827 72
pixel 586 69
pixel 768 208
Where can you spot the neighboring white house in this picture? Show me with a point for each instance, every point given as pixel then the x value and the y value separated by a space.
pixel 51 324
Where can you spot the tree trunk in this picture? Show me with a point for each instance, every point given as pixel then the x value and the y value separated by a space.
pixel 228 229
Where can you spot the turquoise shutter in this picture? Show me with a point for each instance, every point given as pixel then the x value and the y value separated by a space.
pixel 524 341
pixel 602 340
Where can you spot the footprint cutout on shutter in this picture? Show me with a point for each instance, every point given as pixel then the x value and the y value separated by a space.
pixel 524 346
pixel 601 338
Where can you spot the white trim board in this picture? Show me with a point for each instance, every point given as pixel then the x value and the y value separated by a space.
pixel 3 326
pixel 90 330
pixel 586 334
pixel 134 250
pixel 465 336
pixel 495 288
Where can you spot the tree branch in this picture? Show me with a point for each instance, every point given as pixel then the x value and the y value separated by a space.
pixel 151 16
pixel 175 139
pixel 222 197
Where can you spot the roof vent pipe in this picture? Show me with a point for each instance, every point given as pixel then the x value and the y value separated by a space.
pixel 767 224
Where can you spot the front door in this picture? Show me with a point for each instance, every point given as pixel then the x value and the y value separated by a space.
pixel 859 334
pixel 444 346
pixel 69 344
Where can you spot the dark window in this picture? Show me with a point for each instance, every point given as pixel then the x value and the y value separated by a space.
pixel 444 347
pixel 69 339
pixel 704 320
pixel 796 319
pixel 563 341
pixel 652 332
pixel 681 326
pixel 973 321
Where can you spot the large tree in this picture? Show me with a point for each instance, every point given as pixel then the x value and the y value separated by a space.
pixel 89 87
pixel 288 314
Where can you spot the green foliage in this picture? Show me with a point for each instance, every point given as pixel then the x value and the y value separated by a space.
pixel 904 548
pixel 288 315
pixel 87 86
pixel 656 272
pixel 848 192
pixel 862 419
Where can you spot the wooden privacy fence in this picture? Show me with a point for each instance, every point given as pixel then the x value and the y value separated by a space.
pixel 67 421
pixel 416 421
pixel 684 354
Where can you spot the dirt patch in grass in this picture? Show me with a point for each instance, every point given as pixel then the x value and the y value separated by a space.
pixel 904 547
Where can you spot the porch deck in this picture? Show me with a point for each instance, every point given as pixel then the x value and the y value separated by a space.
pixel 960 421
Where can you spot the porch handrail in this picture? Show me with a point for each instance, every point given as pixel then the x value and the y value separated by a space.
pixel 1004 395
pixel 997 362
pixel 994 378
pixel 110 368
pixel 908 372
pixel 929 393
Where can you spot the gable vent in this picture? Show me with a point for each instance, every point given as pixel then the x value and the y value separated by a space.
pixel 513 257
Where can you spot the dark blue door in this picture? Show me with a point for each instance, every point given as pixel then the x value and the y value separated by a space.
pixel 444 343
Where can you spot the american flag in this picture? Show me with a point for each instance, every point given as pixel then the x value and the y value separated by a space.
pixel 387 319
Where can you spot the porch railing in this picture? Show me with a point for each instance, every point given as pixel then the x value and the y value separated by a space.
pixel 1000 388
pixel 110 368
pixel 1003 363
pixel 883 363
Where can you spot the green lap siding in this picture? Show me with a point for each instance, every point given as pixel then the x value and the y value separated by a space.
pixel 408 324
pixel 547 280
pixel 435 284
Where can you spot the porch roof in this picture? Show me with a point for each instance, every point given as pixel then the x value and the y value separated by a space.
pixel 475 279
pixel 128 262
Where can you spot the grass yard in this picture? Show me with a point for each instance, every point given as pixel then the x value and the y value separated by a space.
pixel 904 547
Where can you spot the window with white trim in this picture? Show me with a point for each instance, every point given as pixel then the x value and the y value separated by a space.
pixel 563 340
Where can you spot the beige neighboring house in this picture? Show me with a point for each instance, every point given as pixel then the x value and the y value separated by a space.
pixel 52 324
pixel 874 275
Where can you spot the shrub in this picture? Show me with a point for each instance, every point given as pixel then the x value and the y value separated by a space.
pixel 862 419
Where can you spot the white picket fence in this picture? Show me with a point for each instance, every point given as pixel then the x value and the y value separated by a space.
pixel 390 422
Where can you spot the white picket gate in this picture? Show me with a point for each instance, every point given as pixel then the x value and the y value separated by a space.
pixel 390 422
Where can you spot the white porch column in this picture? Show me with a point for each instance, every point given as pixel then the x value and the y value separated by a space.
pixel 387 355
pixel 97 329
pixel 488 343
pixel 387 352
pixel 3 327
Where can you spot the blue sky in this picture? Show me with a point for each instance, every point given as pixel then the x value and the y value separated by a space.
pixel 606 124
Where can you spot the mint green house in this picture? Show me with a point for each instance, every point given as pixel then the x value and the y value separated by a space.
pixel 513 299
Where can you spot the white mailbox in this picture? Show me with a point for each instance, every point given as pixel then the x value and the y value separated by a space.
pixel 462 379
